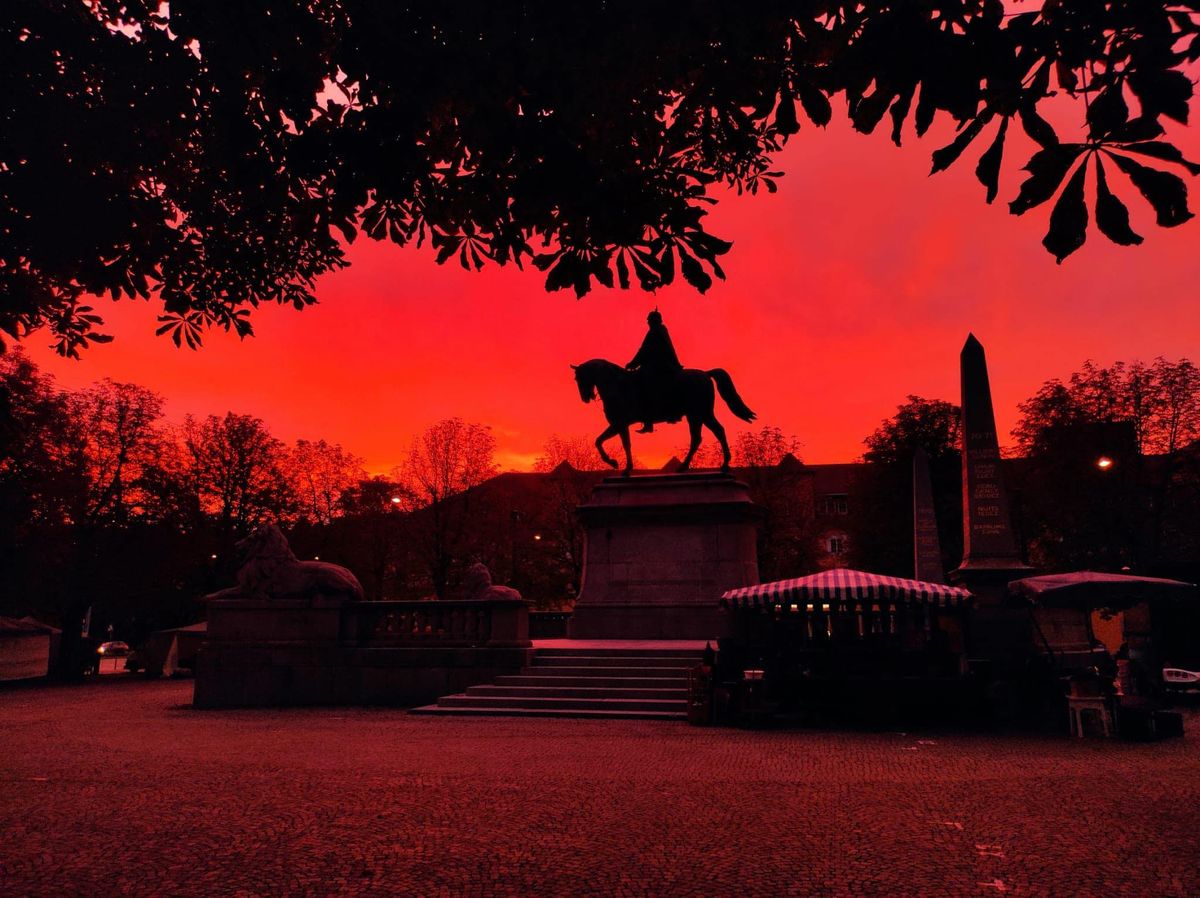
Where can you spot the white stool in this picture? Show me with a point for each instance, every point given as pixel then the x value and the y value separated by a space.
pixel 1078 705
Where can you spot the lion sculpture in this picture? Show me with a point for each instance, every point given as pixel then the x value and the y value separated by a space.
pixel 271 570
pixel 477 584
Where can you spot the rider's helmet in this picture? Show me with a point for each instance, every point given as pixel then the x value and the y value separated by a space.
pixel 654 318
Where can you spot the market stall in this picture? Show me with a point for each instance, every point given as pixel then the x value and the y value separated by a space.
pixel 1133 627
pixel 844 638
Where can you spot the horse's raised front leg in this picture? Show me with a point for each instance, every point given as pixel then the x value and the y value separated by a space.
pixel 719 432
pixel 628 450
pixel 608 435
pixel 694 430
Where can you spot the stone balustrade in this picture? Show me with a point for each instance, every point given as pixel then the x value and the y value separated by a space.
pixel 484 622
pixel 320 652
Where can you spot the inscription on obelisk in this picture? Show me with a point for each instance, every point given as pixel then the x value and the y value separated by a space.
pixel 988 539
pixel 927 547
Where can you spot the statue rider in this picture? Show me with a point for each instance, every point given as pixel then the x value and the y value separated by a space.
pixel 656 366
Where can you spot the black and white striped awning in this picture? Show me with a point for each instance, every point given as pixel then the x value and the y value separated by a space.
pixel 843 585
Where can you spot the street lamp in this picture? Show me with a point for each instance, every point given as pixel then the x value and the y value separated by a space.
pixel 1104 463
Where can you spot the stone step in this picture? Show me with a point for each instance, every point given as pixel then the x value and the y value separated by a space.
pixel 564 704
pixel 674 673
pixel 539 677
pixel 439 711
pixel 593 692
pixel 596 652
pixel 555 659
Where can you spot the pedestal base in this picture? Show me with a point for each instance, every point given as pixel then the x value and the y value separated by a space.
pixel 659 552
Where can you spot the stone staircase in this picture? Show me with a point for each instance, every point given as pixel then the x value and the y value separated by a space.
pixel 630 683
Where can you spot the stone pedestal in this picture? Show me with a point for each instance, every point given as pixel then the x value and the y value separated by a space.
pixel 659 552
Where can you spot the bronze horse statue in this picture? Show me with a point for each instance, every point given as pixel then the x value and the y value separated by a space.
pixel 623 405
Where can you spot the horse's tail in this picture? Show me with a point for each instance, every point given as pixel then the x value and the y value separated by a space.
pixel 725 387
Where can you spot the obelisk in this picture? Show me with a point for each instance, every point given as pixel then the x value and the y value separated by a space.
pixel 927 547
pixel 990 555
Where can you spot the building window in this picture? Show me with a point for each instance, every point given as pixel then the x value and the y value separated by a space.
pixel 836 503
pixel 836 545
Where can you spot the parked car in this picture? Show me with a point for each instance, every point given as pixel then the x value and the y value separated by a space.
pixel 115 649
pixel 1178 679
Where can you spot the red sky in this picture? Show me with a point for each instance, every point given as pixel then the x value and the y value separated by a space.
pixel 852 287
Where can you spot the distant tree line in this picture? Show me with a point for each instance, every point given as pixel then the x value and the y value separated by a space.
pixel 1105 474
pixel 105 504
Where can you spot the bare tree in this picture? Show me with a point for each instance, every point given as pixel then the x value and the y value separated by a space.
pixel 120 441
pixel 236 470
pixel 763 448
pixel 443 466
pixel 578 452
pixel 321 473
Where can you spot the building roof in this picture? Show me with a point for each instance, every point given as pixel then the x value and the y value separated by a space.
pixel 24 626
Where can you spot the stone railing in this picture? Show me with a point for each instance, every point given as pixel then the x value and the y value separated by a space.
pixel 486 622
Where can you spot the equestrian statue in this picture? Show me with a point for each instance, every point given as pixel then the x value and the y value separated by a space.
pixel 655 388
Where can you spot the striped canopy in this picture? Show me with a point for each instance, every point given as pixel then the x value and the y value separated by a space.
pixel 845 585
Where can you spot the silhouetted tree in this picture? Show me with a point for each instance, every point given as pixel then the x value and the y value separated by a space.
pixel 38 487
pixel 237 471
pixel 321 474
pixel 443 465
pixel 215 156
pixel 86 513
pixel 881 519
pixel 568 461
pixel 120 442
pixel 769 460
pixel 762 448
pixel 1145 421
pixel 578 452
pixel 1160 402
pixel 929 424
pixel 370 536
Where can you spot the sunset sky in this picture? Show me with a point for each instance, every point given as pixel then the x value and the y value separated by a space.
pixel 853 286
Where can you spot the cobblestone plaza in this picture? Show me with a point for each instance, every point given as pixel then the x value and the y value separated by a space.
pixel 120 787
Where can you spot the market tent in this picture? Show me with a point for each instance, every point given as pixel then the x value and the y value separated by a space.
pixel 27 648
pixel 166 651
pixel 845 585
pixel 1095 589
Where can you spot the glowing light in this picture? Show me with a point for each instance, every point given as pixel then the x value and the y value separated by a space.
pixel 395 500
pixel 214 556
pixel 1104 463
pixel 537 536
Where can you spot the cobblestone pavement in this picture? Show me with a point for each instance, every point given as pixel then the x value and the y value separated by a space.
pixel 115 788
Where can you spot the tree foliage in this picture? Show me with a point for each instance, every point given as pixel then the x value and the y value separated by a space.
pixel 1139 508
pixel 760 448
pixel 322 474
pixel 1160 402
pixel 929 424
pixel 881 519
pixel 237 469
pixel 217 156
pixel 578 452
pixel 444 463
